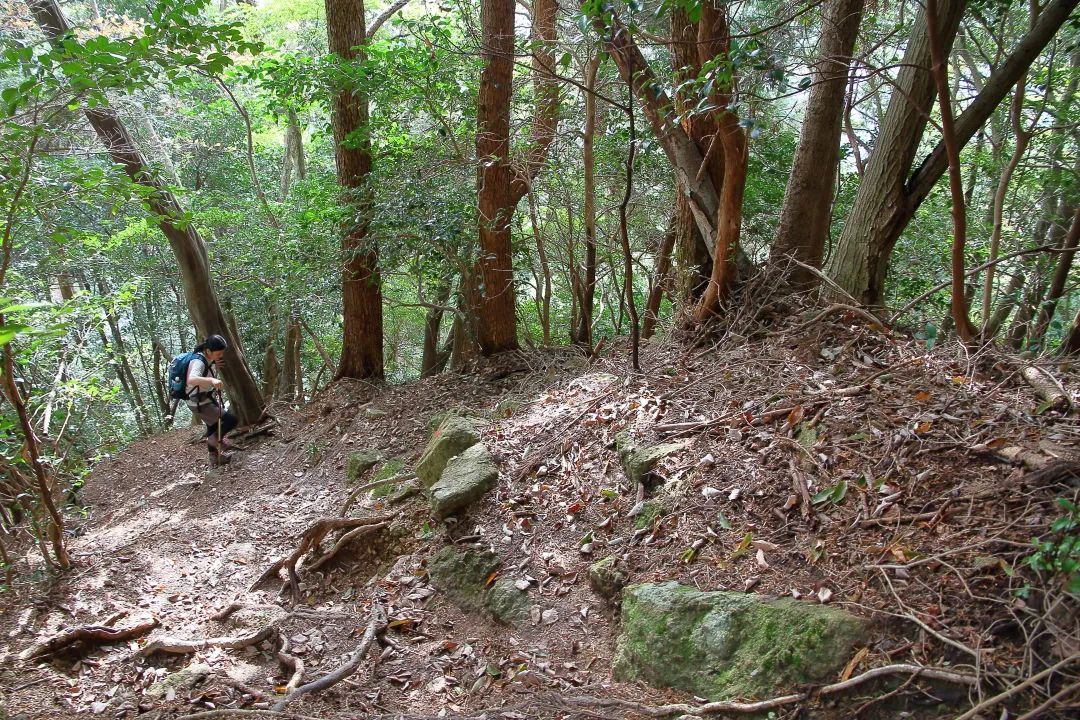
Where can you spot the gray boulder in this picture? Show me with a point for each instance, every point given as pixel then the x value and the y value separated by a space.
pixel 466 477
pixel 179 680
pixel 455 435
pixel 725 645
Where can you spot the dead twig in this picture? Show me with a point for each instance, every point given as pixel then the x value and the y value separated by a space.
pixel 182 647
pixel 378 619
pixel 874 321
pixel 88 634
pixel 1018 688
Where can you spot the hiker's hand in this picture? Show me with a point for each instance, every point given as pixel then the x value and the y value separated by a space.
pixel 216 384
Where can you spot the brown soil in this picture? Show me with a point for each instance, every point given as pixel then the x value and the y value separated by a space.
pixel 941 469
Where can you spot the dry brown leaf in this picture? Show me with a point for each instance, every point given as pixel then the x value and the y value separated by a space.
pixel 854 663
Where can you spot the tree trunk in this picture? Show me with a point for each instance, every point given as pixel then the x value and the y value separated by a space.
pixel 880 210
pixel 582 331
pixel 361 284
pixel 293 160
pixel 291 380
pixel 183 237
pixel 695 248
pixel 804 217
pixel 1061 277
pixel 682 152
pixel 886 202
pixel 658 282
pixel 433 361
pixel 714 42
pixel 499 189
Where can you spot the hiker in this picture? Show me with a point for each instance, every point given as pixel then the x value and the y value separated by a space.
pixel 202 382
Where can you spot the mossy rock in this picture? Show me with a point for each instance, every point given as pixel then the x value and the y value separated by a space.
pixel 650 511
pixel 360 462
pixel 506 408
pixel 462 575
pixel 455 435
pixel 179 680
pixel 638 461
pixel 507 603
pixel 389 469
pixel 464 480
pixel 725 645
pixel 606 578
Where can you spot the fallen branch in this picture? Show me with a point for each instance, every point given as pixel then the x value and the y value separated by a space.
pixel 89 634
pixel 1017 689
pixel 876 322
pixel 245 715
pixel 676 709
pixel 378 619
pixel 183 647
pixel 1047 387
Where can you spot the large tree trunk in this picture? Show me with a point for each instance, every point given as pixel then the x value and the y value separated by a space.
pixel 694 247
pixel 361 284
pixel 682 152
pixel 496 325
pixel 183 237
pixel 804 217
pixel 880 211
pixel 499 189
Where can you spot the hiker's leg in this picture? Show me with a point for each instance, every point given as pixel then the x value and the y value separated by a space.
pixel 228 423
pixel 211 414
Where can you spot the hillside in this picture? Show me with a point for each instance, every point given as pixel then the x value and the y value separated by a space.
pixel 831 461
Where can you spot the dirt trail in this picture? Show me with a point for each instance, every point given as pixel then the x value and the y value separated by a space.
pixel 920 468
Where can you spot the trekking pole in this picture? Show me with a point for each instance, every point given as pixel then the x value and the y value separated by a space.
pixel 221 416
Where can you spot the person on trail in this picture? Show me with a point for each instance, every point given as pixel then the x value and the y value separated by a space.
pixel 202 383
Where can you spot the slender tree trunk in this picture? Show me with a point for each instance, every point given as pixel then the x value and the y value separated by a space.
pixel 1060 279
pixel 543 285
pixel 582 331
pixel 361 284
pixel 186 243
pixel 293 160
pixel 45 486
pixel 661 271
pixel 956 184
pixel 804 217
pixel 430 364
pixel 1071 344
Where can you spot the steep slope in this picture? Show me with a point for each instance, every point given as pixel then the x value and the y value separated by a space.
pixel 832 461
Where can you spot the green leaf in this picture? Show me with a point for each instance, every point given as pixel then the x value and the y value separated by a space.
pixel 723 521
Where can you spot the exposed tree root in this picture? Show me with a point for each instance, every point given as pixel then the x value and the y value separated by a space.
pixel 676 709
pixel 345 540
pixel 378 620
pixel 246 715
pixel 400 477
pixel 310 540
pixel 88 635
pixel 181 647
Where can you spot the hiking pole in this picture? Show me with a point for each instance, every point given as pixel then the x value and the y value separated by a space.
pixel 221 416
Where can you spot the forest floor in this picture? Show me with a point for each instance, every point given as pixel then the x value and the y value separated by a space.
pixel 826 458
